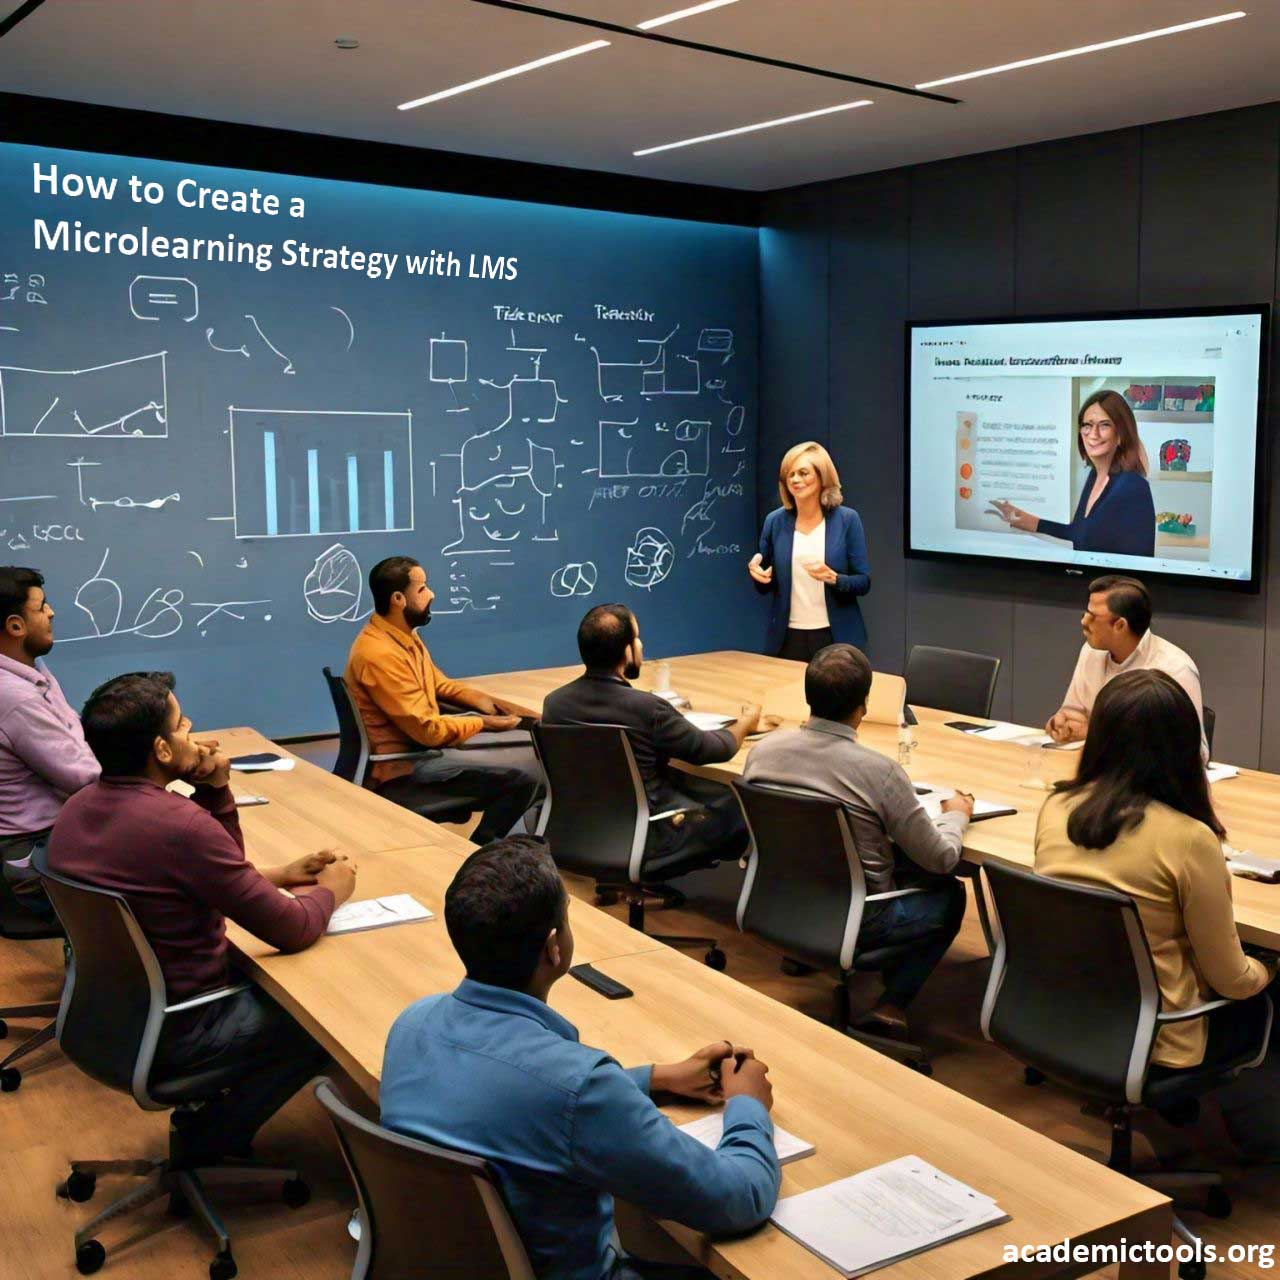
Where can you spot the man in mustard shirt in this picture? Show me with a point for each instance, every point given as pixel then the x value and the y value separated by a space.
pixel 398 690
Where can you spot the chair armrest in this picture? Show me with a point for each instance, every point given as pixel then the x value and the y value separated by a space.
pixel 401 755
pixel 667 814
pixel 1199 1011
pixel 208 998
pixel 892 893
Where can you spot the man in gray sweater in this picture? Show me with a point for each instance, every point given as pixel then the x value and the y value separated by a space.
pixel 823 757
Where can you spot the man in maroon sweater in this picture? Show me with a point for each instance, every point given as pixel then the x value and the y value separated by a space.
pixel 180 865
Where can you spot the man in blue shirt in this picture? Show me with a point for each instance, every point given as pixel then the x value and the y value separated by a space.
pixel 490 1069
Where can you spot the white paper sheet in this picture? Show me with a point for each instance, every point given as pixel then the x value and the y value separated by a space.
pixel 709 1129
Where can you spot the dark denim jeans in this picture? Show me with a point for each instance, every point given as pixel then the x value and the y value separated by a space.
pixel 930 919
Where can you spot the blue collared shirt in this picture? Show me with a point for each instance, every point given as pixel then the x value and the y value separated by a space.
pixel 499 1074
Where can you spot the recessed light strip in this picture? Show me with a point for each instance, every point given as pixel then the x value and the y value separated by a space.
pixel 505 75
pixel 683 13
pixel 751 128
pixel 1087 48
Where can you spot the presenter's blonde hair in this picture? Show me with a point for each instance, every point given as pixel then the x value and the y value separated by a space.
pixel 831 496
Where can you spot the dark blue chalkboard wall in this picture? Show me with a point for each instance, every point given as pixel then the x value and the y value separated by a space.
pixel 205 457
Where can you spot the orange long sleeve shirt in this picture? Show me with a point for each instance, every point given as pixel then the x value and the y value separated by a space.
pixel 397 689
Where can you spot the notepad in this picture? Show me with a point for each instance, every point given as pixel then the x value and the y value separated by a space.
pixel 883 1215
pixel 1254 866
pixel 709 1129
pixel 708 720
pixel 378 913
pixel 262 762
pixel 1020 735
pixel 1220 772
pixel 931 798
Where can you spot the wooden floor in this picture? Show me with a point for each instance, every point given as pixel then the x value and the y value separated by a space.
pixel 59 1114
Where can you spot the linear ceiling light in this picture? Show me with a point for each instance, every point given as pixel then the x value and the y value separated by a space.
pixel 751 128
pixel 683 13
pixel 1087 48
pixel 504 75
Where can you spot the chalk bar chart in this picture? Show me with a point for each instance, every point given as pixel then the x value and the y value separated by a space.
pixel 299 472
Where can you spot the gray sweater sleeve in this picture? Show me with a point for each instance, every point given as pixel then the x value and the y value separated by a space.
pixel 933 846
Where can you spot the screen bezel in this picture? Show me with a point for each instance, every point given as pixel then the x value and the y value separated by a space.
pixel 1261 461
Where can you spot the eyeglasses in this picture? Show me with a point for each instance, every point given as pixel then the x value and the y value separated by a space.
pixel 1097 428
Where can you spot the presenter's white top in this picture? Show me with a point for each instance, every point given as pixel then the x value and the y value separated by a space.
pixel 1094 668
pixel 808 595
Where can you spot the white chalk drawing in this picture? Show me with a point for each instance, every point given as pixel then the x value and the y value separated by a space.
pixel 225 609
pixel 242 563
pixel 574 579
pixel 504 476
pixel 299 473
pixel 198 556
pixel 124 400
pixel 9 328
pixel 615 378
pixel 655 450
pixel 334 588
pixel 154 297
pixel 31 497
pixel 717 342
pixel 231 351
pixel 101 599
pixel 153 504
pixel 649 558
pixel 351 334
pixel 448 361
pixel 733 429
pixel 288 364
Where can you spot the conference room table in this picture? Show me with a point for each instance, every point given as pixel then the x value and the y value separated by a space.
pixel 859 1108
pixel 1248 805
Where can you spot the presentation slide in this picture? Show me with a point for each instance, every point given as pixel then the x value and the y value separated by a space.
pixel 1126 443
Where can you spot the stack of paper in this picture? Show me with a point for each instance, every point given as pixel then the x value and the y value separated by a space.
pixel 262 762
pixel 883 1215
pixel 931 798
pixel 377 913
pixel 1254 866
pixel 1220 772
pixel 708 720
pixel 1003 731
pixel 709 1129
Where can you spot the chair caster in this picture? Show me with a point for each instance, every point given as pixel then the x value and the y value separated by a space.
pixel 10 1079
pixel 178 1206
pixel 4 1028
pixel 715 959
pixel 795 968
pixel 295 1193
pixel 223 1267
pixel 1031 1076
pixel 1191 1271
pixel 89 1257
pixel 922 1068
pixel 1217 1203
pixel 606 897
pixel 78 1187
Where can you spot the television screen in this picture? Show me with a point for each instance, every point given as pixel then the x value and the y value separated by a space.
pixel 1122 442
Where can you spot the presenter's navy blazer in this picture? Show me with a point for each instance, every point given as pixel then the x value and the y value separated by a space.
pixel 846 554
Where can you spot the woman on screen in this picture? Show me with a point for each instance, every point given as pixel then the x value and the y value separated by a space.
pixel 812 559
pixel 1115 513
pixel 1138 818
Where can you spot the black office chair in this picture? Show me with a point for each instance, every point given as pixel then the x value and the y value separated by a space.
pixel 1079 1003
pixel 805 892
pixel 355 759
pixel 1210 720
pixel 951 680
pixel 597 822
pixel 112 1013
pixel 20 925
pixel 423 1209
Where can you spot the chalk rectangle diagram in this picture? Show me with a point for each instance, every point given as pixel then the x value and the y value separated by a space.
pixel 299 473
pixel 124 400
pixel 670 450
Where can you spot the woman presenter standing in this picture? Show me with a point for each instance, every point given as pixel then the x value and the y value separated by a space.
pixel 1115 513
pixel 812 560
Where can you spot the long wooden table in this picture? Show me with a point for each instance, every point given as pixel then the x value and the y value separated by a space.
pixel 858 1107
pixel 1249 805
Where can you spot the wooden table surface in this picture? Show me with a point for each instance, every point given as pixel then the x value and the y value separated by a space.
pixel 1248 805
pixel 859 1107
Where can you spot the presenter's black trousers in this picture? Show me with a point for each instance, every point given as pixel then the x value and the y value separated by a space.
pixel 800 646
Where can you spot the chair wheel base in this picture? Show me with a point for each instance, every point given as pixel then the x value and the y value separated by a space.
pixel 78 1187
pixel 10 1079
pixel 922 1068
pixel 1191 1271
pixel 606 897
pixel 795 968
pixel 4 1028
pixel 716 959
pixel 1217 1203
pixel 223 1267
pixel 89 1257
pixel 295 1193
pixel 1031 1076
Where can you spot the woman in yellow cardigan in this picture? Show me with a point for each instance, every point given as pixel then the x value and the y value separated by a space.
pixel 1137 818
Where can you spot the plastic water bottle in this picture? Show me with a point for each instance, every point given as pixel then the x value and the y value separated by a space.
pixel 905 743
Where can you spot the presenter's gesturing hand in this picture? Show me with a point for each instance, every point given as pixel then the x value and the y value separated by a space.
pixel 823 573
pixel 763 576
pixel 1015 516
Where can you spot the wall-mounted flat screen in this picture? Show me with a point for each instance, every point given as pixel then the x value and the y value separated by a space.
pixel 1127 442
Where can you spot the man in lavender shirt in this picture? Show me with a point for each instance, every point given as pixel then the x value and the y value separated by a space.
pixel 43 754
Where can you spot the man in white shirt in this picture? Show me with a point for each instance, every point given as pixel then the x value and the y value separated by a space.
pixel 1117 638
